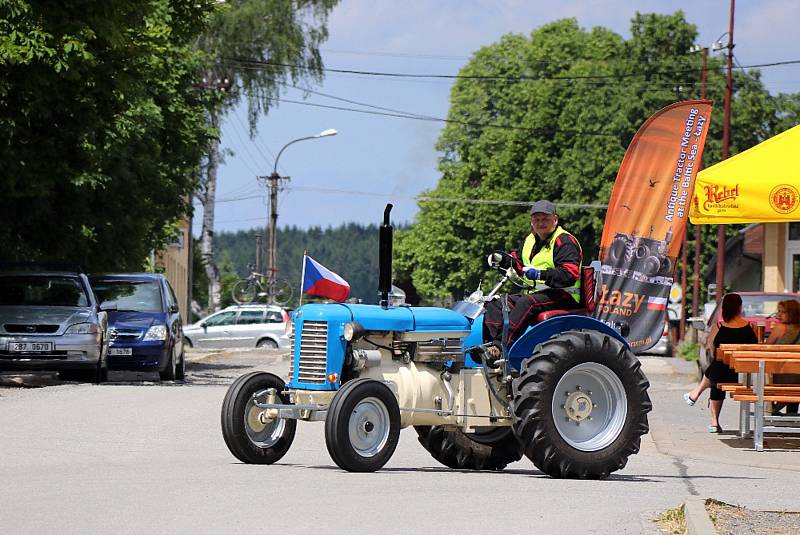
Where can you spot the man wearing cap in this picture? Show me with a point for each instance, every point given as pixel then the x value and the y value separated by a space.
pixel 551 259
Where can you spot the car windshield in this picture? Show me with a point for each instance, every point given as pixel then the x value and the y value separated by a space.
pixel 760 306
pixel 42 290
pixel 139 296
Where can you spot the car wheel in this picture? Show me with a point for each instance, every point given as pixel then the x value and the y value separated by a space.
pixel 180 369
pixel 267 343
pixel 169 371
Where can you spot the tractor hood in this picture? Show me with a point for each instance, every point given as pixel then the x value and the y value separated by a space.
pixel 375 318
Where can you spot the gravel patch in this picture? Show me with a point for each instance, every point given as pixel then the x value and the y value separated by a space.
pixel 732 520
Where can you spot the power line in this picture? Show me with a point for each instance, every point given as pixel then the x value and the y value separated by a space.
pixel 246 62
pixel 433 198
pixel 443 120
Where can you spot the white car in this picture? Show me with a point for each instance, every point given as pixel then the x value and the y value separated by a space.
pixel 240 326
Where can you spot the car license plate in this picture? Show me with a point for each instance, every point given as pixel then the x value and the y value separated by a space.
pixel 120 351
pixel 30 347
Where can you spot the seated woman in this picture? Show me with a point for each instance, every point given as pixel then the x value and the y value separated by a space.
pixel 786 331
pixel 733 329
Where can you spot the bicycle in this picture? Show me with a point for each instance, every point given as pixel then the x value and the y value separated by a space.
pixel 246 290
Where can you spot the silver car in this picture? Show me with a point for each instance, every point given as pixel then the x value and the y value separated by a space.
pixel 240 326
pixel 52 321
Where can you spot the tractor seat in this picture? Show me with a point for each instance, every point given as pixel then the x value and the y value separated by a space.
pixel 587 298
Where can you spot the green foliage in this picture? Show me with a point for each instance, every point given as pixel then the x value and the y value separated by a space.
pixel 102 127
pixel 559 135
pixel 350 250
pixel 688 350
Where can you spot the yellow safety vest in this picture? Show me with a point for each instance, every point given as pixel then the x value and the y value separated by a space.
pixel 544 260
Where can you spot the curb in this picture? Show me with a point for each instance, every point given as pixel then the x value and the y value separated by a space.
pixel 697 520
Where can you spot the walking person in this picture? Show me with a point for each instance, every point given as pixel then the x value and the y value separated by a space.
pixel 733 329
pixel 786 331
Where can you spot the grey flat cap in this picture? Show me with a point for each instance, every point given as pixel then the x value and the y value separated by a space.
pixel 543 207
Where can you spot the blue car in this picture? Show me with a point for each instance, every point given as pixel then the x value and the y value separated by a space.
pixel 144 323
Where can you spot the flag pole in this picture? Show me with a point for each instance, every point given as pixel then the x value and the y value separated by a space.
pixel 302 278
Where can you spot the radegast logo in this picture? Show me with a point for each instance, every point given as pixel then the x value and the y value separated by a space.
pixel 716 195
pixel 784 198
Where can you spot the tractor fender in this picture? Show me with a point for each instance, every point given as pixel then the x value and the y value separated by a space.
pixel 523 347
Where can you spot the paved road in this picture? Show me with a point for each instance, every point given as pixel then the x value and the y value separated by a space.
pixel 136 456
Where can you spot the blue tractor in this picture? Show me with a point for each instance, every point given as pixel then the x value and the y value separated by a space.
pixel 569 394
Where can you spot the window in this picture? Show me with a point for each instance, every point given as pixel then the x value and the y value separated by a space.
pixel 273 316
pixel 250 317
pixel 42 291
pixel 223 318
pixel 140 296
pixel 794 231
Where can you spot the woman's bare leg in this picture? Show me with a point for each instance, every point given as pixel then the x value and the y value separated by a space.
pixel 715 406
pixel 700 388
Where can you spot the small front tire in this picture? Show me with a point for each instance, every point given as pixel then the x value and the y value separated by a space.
pixel 363 426
pixel 248 437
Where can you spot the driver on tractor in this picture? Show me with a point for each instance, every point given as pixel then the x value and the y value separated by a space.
pixel 551 259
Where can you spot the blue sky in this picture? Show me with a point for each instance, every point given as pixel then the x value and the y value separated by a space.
pixel 377 159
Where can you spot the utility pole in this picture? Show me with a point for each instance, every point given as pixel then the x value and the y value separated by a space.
pixel 726 138
pixel 258 252
pixel 273 184
pixel 696 271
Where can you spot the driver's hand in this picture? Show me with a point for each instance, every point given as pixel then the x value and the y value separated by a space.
pixel 532 273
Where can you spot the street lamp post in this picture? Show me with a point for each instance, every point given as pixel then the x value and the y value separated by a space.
pixel 272 221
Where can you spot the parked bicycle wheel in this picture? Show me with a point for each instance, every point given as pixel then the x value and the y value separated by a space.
pixel 282 292
pixel 244 291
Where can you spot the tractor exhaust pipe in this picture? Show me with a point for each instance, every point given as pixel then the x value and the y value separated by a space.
pixel 385 259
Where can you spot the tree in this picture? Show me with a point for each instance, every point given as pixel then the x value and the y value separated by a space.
pixel 101 127
pixel 549 116
pixel 256 47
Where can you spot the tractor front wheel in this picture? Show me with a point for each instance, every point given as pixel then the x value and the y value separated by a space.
pixel 490 450
pixel 252 436
pixel 363 426
pixel 580 405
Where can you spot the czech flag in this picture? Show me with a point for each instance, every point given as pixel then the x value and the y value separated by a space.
pixel 319 280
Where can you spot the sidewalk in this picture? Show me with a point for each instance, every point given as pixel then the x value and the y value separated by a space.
pixel 680 430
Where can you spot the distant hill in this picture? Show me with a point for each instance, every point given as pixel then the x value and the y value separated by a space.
pixel 351 250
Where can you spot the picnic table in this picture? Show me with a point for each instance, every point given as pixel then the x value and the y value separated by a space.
pixel 753 362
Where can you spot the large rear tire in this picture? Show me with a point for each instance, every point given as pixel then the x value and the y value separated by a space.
pixel 580 405
pixel 248 437
pixel 363 426
pixel 493 450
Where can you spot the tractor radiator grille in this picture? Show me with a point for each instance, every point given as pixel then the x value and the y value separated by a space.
pixel 313 352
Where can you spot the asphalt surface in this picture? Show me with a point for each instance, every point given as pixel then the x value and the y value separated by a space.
pixel 138 456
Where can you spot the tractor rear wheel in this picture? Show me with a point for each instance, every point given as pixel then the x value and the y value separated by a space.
pixel 580 405
pixel 250 436
pixel 363 425
pixel 490 450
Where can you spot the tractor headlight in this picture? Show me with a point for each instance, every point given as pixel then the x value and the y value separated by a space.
pixel 353 331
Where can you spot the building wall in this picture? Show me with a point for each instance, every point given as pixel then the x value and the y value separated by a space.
pixel 176 266
pixel 774 257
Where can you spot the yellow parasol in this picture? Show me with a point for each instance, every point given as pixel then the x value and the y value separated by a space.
pixel 759 185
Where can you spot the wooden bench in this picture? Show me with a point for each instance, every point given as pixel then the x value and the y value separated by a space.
pixel 756 361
